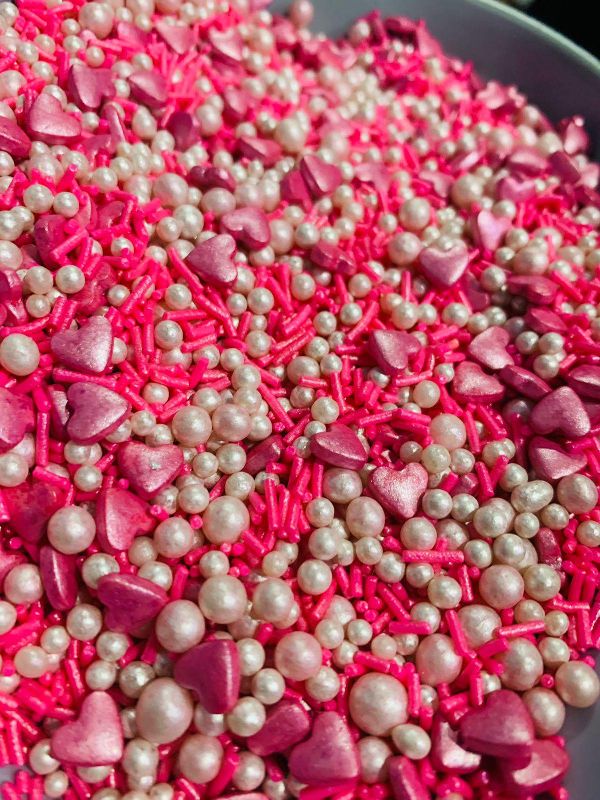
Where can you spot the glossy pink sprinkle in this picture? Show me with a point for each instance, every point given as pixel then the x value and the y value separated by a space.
pixel 179 37
pixel 47 121
pixel 339 447
pixel 95 412
pixel 247 225
pixel 472 384
pixel 287 723
pixel 183 128
pixel 490 229
pixel 88 349
pixel 263 452
pixel 120 517
pixel 502 727
pixel 544 772
pixel 405 780
pixel 30 505
pixel 130 601
pixel 561 411
pixel 16 418
pixel 59 576
pixel 489 348
pixel 444 268
pixel 320 177
pixel 551 462
pixel 88 87
pixel 13 140
pixel 524 382
pixel 446 753
pixel 399 491
pixel 332 258
pixel 212 671
pixel 212 260
pixel 392 350
pixel 149 469
pixel 329 756
pixel 585 381
pixel 95 739
pixel 149 88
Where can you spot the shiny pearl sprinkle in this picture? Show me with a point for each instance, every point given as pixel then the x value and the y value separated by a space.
pixel 299 404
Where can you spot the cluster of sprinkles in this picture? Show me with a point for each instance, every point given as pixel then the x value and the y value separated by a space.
pixel 299 412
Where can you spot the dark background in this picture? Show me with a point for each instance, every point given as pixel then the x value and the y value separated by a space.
pixel 570 17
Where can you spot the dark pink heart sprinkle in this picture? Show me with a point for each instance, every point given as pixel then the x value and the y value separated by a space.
pixel 564 167
pixel 261 454
pixel 400 27
pixel 131 33
pixel 561 411
pixel 11 286
pixel 59 412
pixel 574 135
pixel 392 350
pixel 120 517
pixel 149 88
pixel 464 162
pixel 49 233
pixel 439 181
pixel 149 469
pixel 444 268
pixel 337 54
pixel 593 412
pixel 551 462
pixel 248 225
pixel 548 548
pixel 585 381
pixel 489 348
pixel 110 214
pixel 321 178
pixel 210 177
pixel 332 258
pixel 95 412
pixel 543 320
pixel 471 384
pixel 399 491
pixel 95 739
pixel 13 140
pixel 89 87
pixel 236 103
pixel 502 727
pixel 212 260
pixel 294 190
pixel 30 505
pixel 94 145
pixel 227 45
pixel 534 288
pixel 490 230
pixel 526 161
pixel 59 576
pixel 88 349
pixel 179 37
pixel 544 772
pixel 333 122
pixel 329 756
pixel 130 601
pixel 516 189
pixel 446 753
pixel 211 670
pixel 376 174
pixel 8 561
pixel 287 723
pixel 339 447
pixel 182 127
pixel 524 382
pixel 264 150
pixel 45 120
pixel 16 418
pixel 478 298
pixel 405 780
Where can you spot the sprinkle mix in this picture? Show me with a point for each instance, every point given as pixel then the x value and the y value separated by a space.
pixel 299 412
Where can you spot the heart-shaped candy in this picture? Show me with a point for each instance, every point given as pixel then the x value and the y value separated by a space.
pixel 120 517
pixel 130 601
pixel 7 562
pixel 405 780
pixel 561 411
pixel 180 38
pixel 95 739
pixel 321 177
pixel 88 349
pixel 534 288
pixel 182 127
pixel 212 260
pixel 294 190
pixel 444 268
pixel 248 225
pixel 544 772
pixel 574 136
pixel 585 381
pixel 392 350
pixel 332 258
pixel 149 88
pixel 399 491
pixel 548 548
pixel 543 320
pixel 526 161
pixel 376 174
pixel 472 385
pixel 45 120
pixel 210 177
pixel 95 412
pixel 516 189
pixel 13 140
pixel 287 724
pixel 263 452
pixel 502 727
pixel 227 45
pixel 88 87
pixel 48 233
pixel 30 505
pixel 212 671
pixel 489 230
pixel 524 382
pixel 339 447
pixel 59 412
pixel 329 756
pixel 16 418
pixel 236 103
pixel 446 753
pixel 489 348
pixel 59 577
pixel 551 462
pixel 267 151
pixel 149 469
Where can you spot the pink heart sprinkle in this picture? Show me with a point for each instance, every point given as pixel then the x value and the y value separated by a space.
pixel 293 188
pixel 95 739
pixel 585 381
pixel 13 140
pixel 236 103
pixel 182 127
pixel 149 88
pixel 88 87
pixel 212 671
pixel 30 505
pixel 130 601
pixel 259 456
pixel 45 120
pixel 16 418
pixel 516 189
pixel 561 411
pixel 550 461
pixel 88 349
pixel 49 233
pixel 179 37
pixel 405 780
pixel 472 384
pixel 59 576
pixel 339 447
pixel 489 348
pixel 399 491
pixel 392 350
pixel 210 177
pixel 490 230
pixel 212 260
pixel 534 288
pixel 149 469
pixel 446 753
pixel 120 517
pixel 95 412
pixel 332 258
pixel 329 756
pixel 249 226
pixel 321 178
pixel 444 268
pixel 544 772
pixel 502 727
pixel 264 150
pixel 227 45
pixel 287 723
pixel 542 320
pixel 548 548
pixel 524 382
